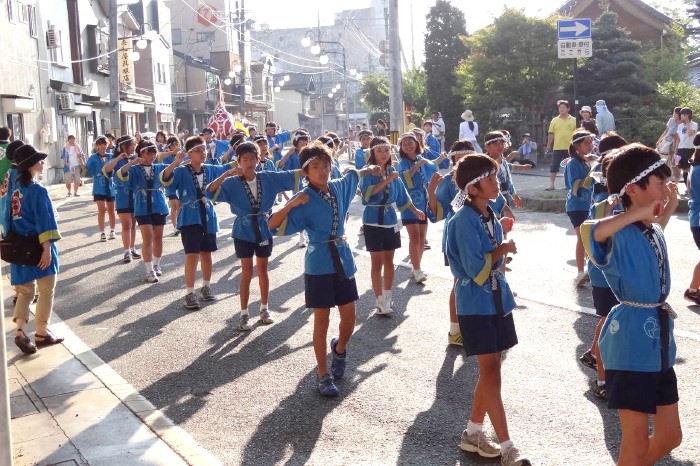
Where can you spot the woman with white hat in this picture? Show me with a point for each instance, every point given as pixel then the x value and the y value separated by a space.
pixel 469 129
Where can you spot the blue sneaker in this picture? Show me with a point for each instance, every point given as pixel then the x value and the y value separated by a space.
pixel 326 387
pixel 338 361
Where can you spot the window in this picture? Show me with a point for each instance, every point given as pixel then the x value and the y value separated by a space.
pixel 205 36
pixel 57 52
pixel 15 123
pixel 177 36
pixel 22 14
pixel 33 31
pixel 160 75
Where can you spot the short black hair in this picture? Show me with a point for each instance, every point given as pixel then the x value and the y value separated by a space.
pixel 471 166
pixel 628 162
pixel 247 148
pixel 5 133
pixel 193 141
pixel 207 130
pixel 377 140
pixel 610 140
pixel 317 149
pixel 687 111
pixel 565 102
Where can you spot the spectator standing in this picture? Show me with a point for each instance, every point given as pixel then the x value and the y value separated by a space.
pixel 686 133
pixel 469 130
pixel 438 128
pixel 73 159
pixel 604 120
pixel 668 141
pixel 561 128
pixel 382 128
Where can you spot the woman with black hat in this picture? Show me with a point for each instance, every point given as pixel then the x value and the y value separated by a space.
pixel 30 211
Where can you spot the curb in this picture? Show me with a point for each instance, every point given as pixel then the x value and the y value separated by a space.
pixel 559 205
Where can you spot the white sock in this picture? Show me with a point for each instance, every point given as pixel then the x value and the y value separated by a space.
pixel 127 251
pixel 156 260
pixel 189 290
pixel 205 282
pixel 693 290
pixel 454 328
pixel 506 445
pixel 473 428
pixel 387 296
pixel 149 267
pixel 244 312
pixel 263 306
pixel 415 271
pixel 134 250
pixel 600 382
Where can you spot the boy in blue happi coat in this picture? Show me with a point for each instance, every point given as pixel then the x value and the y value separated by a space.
pixel 103 191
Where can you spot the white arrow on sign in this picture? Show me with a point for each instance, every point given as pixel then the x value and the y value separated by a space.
pixel 577 28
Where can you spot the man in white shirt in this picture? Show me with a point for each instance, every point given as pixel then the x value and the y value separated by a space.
pixel 438 128
pixel 73 163
pixel 686 132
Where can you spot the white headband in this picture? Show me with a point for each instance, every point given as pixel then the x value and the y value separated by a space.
pixel 499 138
pixel 309 160
pixel 461 152
pixel 615 198
pixel 581 138
pixel 129 139
pixel 148 147
pixel 461 196
pixel 381 144
pixel 198 146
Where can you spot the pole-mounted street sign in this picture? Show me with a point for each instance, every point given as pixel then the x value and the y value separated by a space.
pixel 574 38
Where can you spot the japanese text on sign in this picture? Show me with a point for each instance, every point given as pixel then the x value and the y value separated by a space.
pixel 575 48
pixel 126 65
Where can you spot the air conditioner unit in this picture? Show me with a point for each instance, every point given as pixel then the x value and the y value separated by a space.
pixel 53 40
pixel 66 101
pixel 182 99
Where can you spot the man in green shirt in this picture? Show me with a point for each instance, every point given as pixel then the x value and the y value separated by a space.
pixel 561 128
pixel 5 135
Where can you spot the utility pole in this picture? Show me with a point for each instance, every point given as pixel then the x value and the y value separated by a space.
pixel 115 114
pixel 323 100
pixel 241 54
pixel 395 85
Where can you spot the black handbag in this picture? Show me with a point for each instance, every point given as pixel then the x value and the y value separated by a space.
pixel 19 249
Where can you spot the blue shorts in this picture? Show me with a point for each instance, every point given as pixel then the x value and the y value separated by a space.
pixel 194 240
pixel 577 217
pixel 102 197
pixel 379 239
pixel 487 334
pixel 557 157
pixel 173 197
pixel 327 291
pixel 413 221
pixel 641 391
pixel 696 235
pixel 246 249
pixel 153 219
pixel 603 300
pixel 126 210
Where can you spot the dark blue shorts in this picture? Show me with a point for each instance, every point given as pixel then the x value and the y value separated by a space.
pixel 327 291
pixel 381 239
pixel 173 197
pixel 153 219
pixel 577 217
pixel 557 157
pixel 696 235
pixel 413 221
pixel 603 300
pixel 487 334
pixel 246 249
pixel 641 391
pixel 194 240
pixel 685 154
pixel 102 197
pixel 126 210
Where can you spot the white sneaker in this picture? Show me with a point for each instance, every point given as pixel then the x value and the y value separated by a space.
pixel 582 278
pixel 103 237
pixel 513 457
pixel 265 317
pixel 383 307
pixel 112 235
pixel 152 277
pixel 302 241
pixel 479 443
pixel 419 276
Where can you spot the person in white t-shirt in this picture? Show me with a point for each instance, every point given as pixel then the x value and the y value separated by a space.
pixel 686 132
pixel 469 130
pixel 73 162
pixel 438 128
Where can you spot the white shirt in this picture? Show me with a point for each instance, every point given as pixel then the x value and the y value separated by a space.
pixel 73 160
pixel 253 187
pixel 687 139
pixel 438 127
pixel 467 133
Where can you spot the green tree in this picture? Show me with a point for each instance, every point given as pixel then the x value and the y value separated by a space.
pixel 512 74
pixel 444 50
pixel 375 92
pixel 614 72
pixel 414 91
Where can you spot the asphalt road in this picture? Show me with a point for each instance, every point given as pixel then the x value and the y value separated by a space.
pixel 250 398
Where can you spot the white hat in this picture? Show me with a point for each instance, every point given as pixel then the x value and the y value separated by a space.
pixel 585 108
pixel 467 115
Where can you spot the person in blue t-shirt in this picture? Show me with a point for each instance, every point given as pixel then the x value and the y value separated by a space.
pixel 637 343
pixel 578 199
pixel 329 268
pixel 102 187
pixel 432 145
pixel 251 195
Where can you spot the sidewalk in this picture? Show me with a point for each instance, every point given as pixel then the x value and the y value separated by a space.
pixel 69 407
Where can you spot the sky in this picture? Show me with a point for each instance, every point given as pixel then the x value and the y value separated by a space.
pixel 277 14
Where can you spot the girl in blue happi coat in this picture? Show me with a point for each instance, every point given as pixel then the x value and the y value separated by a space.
pixel 171 149
pixel 141 175
pixel 381 226
pixel 28 211
pixel 578 199
pixel 124 197
pixel 329 268
pixel 265 164
pixel 414 172
pixel 637 343
pixel 692 293
pixel 476 250
pixel 103 191
pixel 441 193
pixel 196 220
pixel 251 196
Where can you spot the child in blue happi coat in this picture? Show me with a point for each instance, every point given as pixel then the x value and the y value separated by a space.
pixel 329 268
pixel 102 187
pixel 362 152
pixel 167 156
pixel 691 293
pixel 636 343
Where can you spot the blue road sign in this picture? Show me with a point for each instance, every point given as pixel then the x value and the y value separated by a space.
pixel 579 28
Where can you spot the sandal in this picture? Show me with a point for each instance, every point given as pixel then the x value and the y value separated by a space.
pixel 47 340
pixel 24 343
